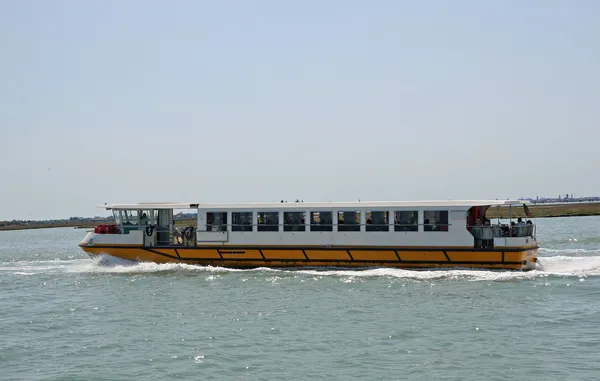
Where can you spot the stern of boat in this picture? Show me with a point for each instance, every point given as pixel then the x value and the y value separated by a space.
pixel 517 254
pixel 530 260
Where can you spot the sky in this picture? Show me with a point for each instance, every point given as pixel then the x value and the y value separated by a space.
pixel 238 101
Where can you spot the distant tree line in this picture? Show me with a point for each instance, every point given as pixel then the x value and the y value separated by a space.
pixel 71 220
pixel 561 199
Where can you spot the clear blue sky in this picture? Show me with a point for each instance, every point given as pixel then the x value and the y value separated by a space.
pixel 236 101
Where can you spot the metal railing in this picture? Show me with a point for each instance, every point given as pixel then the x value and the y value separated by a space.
pixel 478 231
pixel 498 231
pixel 319 227
pixel 314 227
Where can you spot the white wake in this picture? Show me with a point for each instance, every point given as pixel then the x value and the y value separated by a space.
pixel 579 266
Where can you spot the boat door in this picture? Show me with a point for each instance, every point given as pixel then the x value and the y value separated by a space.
pixel 163 228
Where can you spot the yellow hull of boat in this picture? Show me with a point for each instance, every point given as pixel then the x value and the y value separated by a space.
pixel 251 257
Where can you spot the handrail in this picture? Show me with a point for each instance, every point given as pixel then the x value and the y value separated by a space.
pixel 291 228
pixel 319 224
pixel 310 224
pixel 500 230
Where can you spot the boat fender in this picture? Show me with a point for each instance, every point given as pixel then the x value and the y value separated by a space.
pixel 149 230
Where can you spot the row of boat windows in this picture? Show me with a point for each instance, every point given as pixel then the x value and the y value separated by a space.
pixel 323 221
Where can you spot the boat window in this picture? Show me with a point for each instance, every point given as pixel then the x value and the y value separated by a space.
pixel 377 221
pixel 153 216
pixel 117 215
pixel 321 221
pixel 349 221
pixel 145 218
pixel 406 221
pixel 435 221
pixel 241 221
pixel 130 217
pixel 216 221
pixel 294 221
pixel 268 221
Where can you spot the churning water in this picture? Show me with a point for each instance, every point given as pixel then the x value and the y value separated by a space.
pixel 66 317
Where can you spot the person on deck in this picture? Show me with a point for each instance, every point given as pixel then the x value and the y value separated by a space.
pixel 177 234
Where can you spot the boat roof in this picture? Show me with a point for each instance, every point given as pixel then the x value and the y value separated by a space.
pixel 316 205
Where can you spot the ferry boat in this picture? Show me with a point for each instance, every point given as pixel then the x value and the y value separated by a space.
pixel 427 234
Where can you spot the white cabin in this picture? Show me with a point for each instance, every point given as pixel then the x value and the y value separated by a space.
pixel 349 224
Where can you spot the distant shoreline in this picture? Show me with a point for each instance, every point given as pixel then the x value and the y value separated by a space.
pixel 548 210
pixel 537 211
pixel 46 226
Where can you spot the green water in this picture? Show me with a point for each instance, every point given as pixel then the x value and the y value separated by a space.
pixel 66 317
